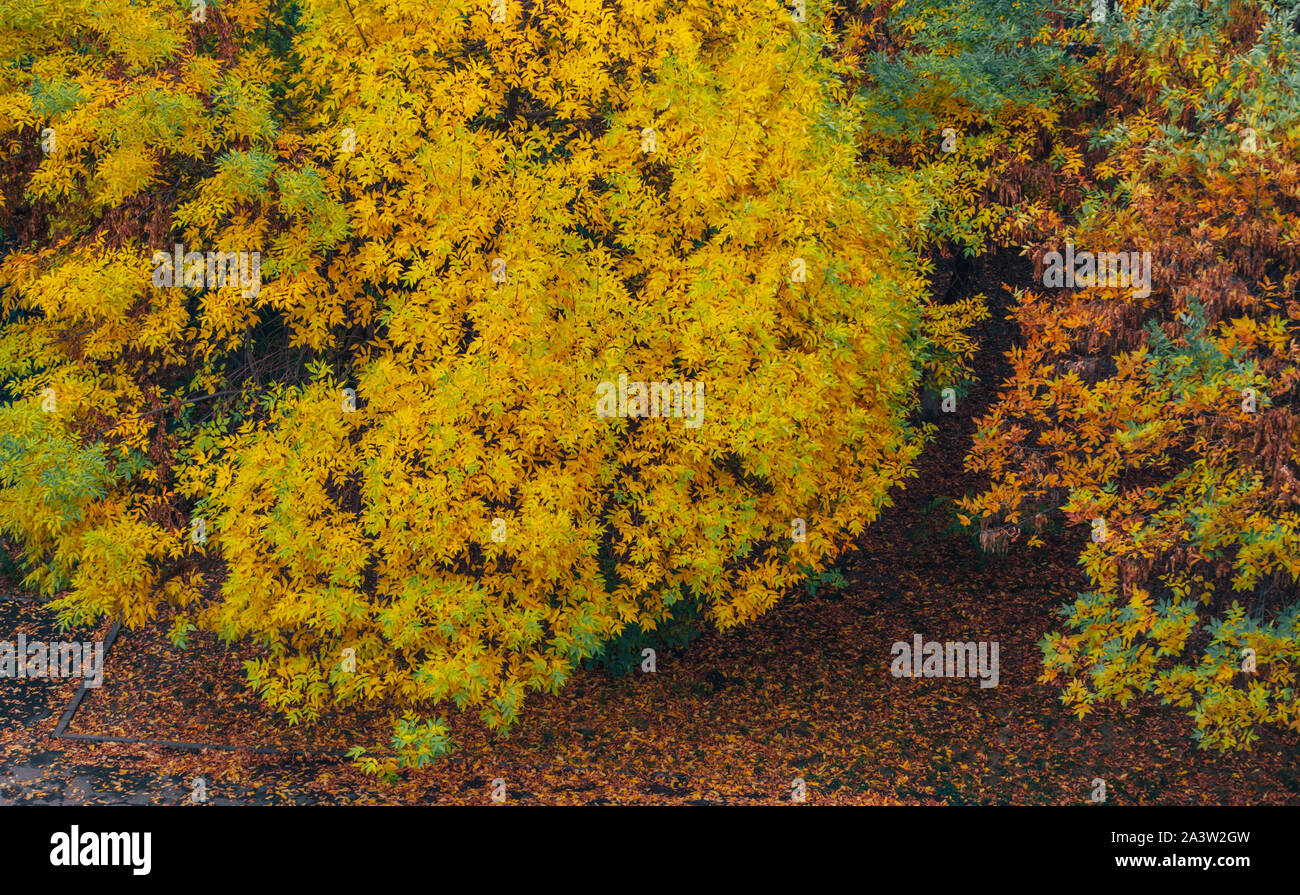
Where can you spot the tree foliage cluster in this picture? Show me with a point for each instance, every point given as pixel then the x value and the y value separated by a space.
pixel 381 465
pixel 1164 425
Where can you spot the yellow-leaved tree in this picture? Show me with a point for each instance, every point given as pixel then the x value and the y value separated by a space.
pixel 428 347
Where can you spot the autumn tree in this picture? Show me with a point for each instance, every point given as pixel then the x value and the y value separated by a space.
pixel 1159 416
pixel 385 461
